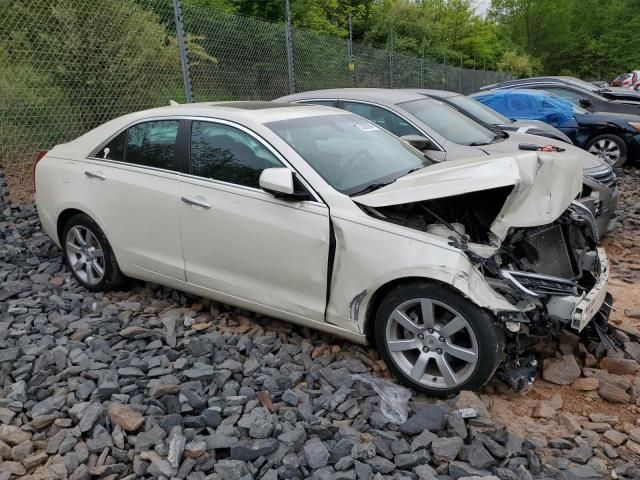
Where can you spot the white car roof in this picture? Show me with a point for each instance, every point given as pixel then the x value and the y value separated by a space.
pixel 244 113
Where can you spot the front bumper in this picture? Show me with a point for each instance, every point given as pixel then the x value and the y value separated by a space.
pixel 563 299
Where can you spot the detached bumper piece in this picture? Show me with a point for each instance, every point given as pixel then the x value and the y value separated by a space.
pixel 592 301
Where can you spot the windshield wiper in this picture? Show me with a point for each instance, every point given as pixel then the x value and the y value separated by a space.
pixel 371 188
pixel 411 171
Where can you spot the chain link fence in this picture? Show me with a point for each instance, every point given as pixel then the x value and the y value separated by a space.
pixel 68 66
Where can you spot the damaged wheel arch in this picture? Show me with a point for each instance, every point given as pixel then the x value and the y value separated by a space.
pixel 377 296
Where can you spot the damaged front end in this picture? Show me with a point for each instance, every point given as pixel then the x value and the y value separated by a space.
pixel 536 248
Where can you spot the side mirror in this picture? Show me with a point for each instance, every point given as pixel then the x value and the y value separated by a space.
pixel 280 183
pixel 585 102
pixel 417 141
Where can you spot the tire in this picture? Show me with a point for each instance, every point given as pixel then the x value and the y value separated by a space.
pixel 610 148
pixel 478 333
pixel 82 240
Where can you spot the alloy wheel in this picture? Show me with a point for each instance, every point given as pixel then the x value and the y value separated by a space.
pixel 607 149
pixel 85 254
pixel 432 343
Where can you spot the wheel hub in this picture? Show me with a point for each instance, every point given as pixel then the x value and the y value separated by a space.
pixel 432 343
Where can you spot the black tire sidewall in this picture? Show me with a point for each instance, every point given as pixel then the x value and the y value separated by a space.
pixel 614 138
pixel 489 336
pixel 112 275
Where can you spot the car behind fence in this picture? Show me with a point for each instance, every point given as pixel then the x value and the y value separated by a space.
pixel 66 66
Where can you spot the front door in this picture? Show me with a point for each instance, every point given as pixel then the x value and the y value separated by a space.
pixel 242 242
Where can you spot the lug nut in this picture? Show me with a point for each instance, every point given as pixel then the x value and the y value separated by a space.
pixel 430 330
pixel 442 339
pixel 425 349
pixel 420 336
pixel 439 351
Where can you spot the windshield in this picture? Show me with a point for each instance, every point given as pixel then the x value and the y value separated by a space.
pixel 448 122
pixel 576 108
pixel 478 110
pixel 582 84
pixel 350 153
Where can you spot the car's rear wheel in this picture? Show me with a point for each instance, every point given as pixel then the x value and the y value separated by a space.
pixel 610 148
pixel 435 340
pixel 89 255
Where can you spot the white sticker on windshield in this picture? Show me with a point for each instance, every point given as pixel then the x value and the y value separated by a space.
pixel 366 127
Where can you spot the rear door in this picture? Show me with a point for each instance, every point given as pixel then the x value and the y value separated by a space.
pixel 131 185
pixel 242 243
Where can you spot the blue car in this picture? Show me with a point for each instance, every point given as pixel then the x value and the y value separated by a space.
pixel 614 137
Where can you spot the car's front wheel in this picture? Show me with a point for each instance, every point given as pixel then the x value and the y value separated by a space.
pixel 435 340
pixel 610 148
pixel 89 255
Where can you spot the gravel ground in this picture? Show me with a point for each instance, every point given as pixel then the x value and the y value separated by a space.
pixel 153 383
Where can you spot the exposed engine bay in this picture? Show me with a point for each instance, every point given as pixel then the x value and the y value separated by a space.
pixel 555 274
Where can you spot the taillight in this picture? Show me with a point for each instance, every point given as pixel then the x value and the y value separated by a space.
pixel 39 156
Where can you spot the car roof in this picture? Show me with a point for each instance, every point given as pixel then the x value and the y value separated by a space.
pixel 434 93
pixel 244 113
pixel 255 111
pixel 379 95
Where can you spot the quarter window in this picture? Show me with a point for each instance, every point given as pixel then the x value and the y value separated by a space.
pixel 383 117
pixel 114 150
pixel 224 153
pixel 153 144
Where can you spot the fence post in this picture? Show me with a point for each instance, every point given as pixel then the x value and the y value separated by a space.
pixel 460 76
pixel 484 72
pixel 289 46
pixel 392 80
pixel 182 48
pixel 473 77
pixel 422 67
pixel 352 67
pixel 444 71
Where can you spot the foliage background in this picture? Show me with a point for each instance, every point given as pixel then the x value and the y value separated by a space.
pixel 592 39
pixel 68 65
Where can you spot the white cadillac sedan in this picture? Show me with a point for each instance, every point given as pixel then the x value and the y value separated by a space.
pixel 317 216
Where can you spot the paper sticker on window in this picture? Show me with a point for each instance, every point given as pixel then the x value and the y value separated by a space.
pixel 366 127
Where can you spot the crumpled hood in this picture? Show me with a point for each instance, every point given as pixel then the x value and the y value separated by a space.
pixel 545 184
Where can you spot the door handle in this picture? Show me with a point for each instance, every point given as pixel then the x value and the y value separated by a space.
pixel 99 176
pixel 195 202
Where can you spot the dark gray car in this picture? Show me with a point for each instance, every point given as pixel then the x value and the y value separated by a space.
pixel 490 118
pixel 448 134
pixel 579 93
